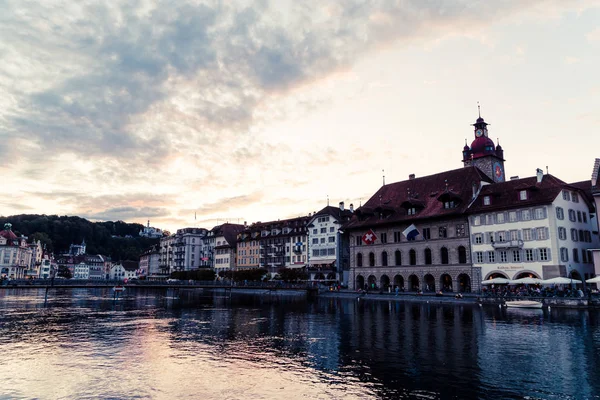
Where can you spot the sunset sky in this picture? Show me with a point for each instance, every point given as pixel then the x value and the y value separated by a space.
pixel 260 110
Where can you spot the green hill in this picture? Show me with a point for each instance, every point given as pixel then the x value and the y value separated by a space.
pixel 119 240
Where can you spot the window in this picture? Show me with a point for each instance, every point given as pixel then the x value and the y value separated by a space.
pixel 528 254
pixel 588 236
pixel 383 237
pixel 315 231
pixel 444 255
pixel 514 234
pixel 331 229
pixel 359 240
pixel 500 218
pixel 479 256
pixel 476 220
pixel 487 200
pixel 478 238
pixel 371 259
pixel 359 260
pixel 426 233
pixel 512 216
pixel 503 256
pixel 584 215
pixel 315 241
pixel 560 213
pixel 460 230
pixel 575 197
pixel 576 255
pixel 584 256
pixel 539 213
pixel 384 260
pixel 322 240
pixel 428 260
pixel 323 230
pixel 572 216
pixel 541 233
pixel 331 239
pixel 543 254
pixel 564 254
pixel 574 234
pixel 443 232
pixel 566 195
pixel 316 254
pixel 411 211
pixel 562 233
pixel 449 204
pixel 491 256
pixel 523 195
pixel 525 215
pixel 578 216
pixel 489 219
pixel 398 257
pixel 462 255
pixel 397 237
pixel 581 236
pixel 413 257
pixel 490 237
pixel 516 256
pixel 501 236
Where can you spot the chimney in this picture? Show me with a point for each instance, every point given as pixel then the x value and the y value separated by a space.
pixel 351 207
pixel 514 178
pixel 540 175
pixel 411 176
pixel 245 223
pixel 341 206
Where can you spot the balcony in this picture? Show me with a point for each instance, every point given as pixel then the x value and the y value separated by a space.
pixel 510 244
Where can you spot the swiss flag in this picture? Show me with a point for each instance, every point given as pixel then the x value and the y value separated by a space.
pixel 369 237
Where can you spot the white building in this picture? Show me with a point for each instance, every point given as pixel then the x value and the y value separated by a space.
pixel 538 226
pixel 324 243
pixel 151 232
pixel 124 270
pixel 149 264
pixel 189 249
pixel 81 271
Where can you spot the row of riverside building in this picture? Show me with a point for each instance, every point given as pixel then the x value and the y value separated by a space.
pixel 448 231
pixel 22 260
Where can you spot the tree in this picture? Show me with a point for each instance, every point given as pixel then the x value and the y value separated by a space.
pixel 292 274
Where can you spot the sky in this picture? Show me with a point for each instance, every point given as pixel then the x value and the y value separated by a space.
pixel 195 113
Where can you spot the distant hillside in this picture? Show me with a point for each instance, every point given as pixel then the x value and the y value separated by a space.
pixel 119 240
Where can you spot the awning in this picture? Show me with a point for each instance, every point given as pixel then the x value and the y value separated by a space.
pixel 321 263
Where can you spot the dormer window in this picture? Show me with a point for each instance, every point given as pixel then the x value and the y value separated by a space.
pixel 411 211
pixel 449 204
pixel 523 195
pixel 487 200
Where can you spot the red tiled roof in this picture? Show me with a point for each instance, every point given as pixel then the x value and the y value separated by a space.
pixel 9 235
pixel 388 204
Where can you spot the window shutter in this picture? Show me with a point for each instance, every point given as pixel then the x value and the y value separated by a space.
pixel 473 238
pixel 547 233
pixel 520 234
pixel 533 233
pixel 545 212
pixel 549 253
pixel 536 255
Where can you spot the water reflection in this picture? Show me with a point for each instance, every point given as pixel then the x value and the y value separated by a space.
pixel 195 344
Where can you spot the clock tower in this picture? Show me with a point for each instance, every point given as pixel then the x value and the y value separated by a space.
pixel 483 154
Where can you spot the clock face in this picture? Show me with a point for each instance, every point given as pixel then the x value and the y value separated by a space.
pixel 478 133
pixel 498 172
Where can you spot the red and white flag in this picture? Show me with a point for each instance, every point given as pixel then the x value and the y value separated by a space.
pixel 369 237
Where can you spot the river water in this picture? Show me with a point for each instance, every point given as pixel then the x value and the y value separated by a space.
pixel 158 344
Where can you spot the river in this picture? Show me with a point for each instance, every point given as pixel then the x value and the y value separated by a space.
pixel 159 344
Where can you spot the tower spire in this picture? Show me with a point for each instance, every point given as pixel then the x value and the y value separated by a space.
pixel 479 109
pixel 383 173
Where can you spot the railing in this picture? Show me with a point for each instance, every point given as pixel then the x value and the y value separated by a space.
pixel 510 244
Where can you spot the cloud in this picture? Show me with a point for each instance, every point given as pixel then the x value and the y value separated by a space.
pixel 126 214
pixel 594 35
pixel 128 93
